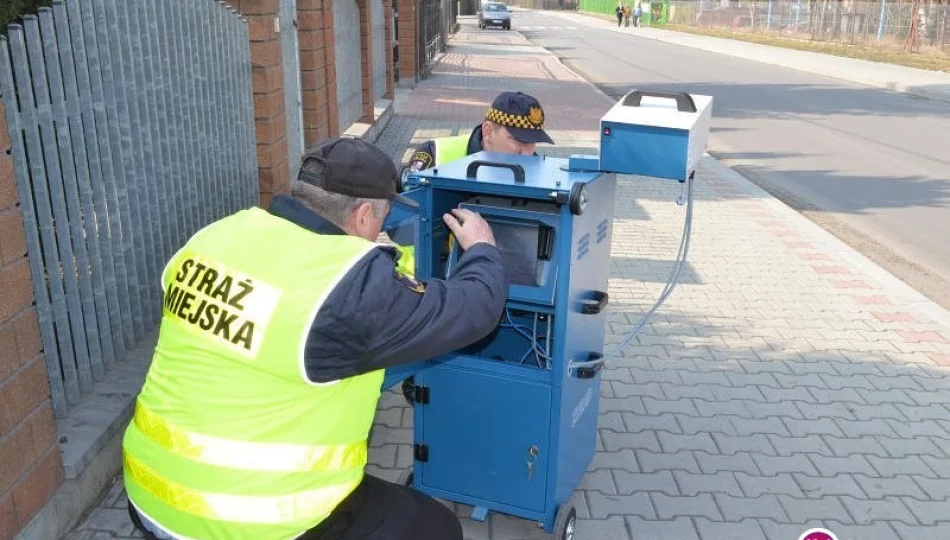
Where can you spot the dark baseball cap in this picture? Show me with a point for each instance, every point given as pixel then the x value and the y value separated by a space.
pixel 354 167
pixel 521 114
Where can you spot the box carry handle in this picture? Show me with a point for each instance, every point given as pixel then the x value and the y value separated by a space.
pixel 595 304
pixel 587 369
pixel 472 169
pixel 684 101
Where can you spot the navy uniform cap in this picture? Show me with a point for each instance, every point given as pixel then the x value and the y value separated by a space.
pixel 353 167
pixel 521 114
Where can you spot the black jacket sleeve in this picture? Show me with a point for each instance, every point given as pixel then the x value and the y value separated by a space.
pixel 376 318
pixel 423 157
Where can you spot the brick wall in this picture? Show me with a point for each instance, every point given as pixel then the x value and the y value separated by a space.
pixel 267 77
pixel 366 52
pixel 30 465
pixel 317 78
pixel 316 42
pixel 408 43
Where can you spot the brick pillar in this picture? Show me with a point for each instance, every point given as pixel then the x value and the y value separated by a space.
pixel 390 76
pixel 315 75
pixel 271 124
pixel 408 42
pixel 30 464
pixel 366 50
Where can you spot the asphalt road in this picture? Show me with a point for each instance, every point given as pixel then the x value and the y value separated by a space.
pixel 871 166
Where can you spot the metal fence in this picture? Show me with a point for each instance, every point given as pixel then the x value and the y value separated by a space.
pixel 132 127
pixel 879 23
pixel 438 19
pixel 293 93
pixel 550 5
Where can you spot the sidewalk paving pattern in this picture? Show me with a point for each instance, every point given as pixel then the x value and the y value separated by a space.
pixel 786 384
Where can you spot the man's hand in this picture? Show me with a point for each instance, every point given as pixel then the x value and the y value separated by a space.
pixel 469 228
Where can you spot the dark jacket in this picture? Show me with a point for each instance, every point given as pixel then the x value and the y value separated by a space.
pixel 376 318
pixel 424 155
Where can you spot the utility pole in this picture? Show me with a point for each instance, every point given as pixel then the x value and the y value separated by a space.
pixel 914 23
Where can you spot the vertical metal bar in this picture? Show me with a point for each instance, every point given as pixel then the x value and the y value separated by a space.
pixel 155 118
pixel 178 59
pixel 158 121
pixel 213 52
pixel 173 154
pixel 141 198
pixel 218 126
pixel 111 116
pixel 234 119
pixel 251 174
pixel 141 64
pixel 225 108
pixel 208 133
pixel 44 211
pixel 80 102
pixel 227 105
pixel 247 143
pixel 880 24
pixel 128 190
pixel 57 192
pixel 186 16
pixel 202 133
pixel 58 53
pixel 21 166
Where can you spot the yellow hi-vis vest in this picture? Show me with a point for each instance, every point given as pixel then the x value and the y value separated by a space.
pixel 449 149
pixel 446 149
pixel 229 438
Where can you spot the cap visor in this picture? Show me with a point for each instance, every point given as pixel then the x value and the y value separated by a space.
pixel 530 135
pixel 405 201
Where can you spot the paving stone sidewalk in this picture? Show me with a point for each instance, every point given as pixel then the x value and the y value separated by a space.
pixel 786 384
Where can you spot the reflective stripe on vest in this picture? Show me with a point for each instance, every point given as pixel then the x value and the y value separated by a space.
pixel 407 260
pixel 238 508
pixel 248 455
pixel 450 148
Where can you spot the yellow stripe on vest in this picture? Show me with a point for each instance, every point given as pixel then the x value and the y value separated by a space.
pixel 253 456
pixel 238 508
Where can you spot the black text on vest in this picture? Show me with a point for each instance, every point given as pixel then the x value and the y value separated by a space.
pixel 213 301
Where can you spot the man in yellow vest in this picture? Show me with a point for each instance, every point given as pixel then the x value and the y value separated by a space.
pixel 277 327
pixel 513 124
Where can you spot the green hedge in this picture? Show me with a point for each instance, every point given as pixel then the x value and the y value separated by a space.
pixel 12 10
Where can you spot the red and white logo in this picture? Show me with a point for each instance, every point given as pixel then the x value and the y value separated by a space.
pixel 818 534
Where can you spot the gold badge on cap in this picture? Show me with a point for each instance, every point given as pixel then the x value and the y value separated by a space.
pixel 536 116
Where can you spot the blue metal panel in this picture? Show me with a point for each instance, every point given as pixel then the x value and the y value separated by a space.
pixel 575 419
pixel 542 175
pixel 645 150
pixel 492 400
pixel 479 426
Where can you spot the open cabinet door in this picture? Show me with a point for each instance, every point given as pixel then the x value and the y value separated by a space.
pixel 403 228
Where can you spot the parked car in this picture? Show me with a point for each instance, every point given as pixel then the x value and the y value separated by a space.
pixel 494 14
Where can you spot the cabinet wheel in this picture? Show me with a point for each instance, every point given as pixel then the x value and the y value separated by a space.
pixel 565 523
